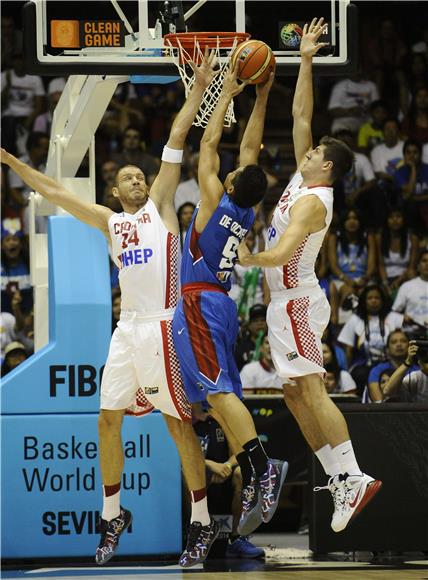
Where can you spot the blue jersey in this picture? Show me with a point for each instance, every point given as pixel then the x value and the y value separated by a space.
pixel 210 256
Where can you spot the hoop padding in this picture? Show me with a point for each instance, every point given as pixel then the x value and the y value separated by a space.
pixel 186 46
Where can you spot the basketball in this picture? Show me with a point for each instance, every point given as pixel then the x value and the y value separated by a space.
pixel 255 61
pixel 291 35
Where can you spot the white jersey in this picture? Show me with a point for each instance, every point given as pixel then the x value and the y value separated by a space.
pixel 299 272
pixel 147 255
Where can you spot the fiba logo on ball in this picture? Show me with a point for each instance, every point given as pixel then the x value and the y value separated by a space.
pixel 291 35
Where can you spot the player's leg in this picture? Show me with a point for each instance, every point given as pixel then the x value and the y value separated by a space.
pixel 295 329
pixel 118 388
pixel 159 366
pixel 322 422
pixel 240 546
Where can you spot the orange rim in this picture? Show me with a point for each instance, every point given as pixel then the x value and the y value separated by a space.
pixel 205 39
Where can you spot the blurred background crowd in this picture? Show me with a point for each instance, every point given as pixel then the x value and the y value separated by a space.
pixel 373 266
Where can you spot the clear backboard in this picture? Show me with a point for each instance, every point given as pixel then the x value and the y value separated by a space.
pixel 126 37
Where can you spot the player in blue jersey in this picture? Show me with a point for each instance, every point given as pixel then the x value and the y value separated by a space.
pixel 205 322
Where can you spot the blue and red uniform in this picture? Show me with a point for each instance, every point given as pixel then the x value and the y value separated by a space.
pixel 205 323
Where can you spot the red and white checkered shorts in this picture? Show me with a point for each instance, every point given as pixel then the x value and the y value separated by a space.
pixel 296 321
pixel 142 371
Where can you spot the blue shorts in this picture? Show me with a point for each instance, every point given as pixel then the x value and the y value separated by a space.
pixel 205 328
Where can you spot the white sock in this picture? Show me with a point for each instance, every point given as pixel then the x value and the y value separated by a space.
pixel 328 460
pixel 344 454
pixel 111 506
pixel 200 512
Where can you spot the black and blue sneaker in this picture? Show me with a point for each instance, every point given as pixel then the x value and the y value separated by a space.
pixel 199 543
pixel 271 483
pixel 251 514
pixel 243 548
pixel 110 534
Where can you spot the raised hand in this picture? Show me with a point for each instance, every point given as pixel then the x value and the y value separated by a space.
pixel 309 44
pixel 231 86
pixel 262 89
pixel 205 72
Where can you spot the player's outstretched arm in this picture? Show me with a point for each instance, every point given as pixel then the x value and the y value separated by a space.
pixel 253 135
pixel 209 163
pixel 303 102
pixel 165 185
pixel 92 214
pixel 306 217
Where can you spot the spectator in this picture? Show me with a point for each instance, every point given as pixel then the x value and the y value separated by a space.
pixel 352 259
pixel 133 154
pixel 43 122
pixel 7 331
pixel 37 152
pixel 386 157
pixel 416 78
pixel 22 101
pixel 15 274
pixel 11 41
pixel 251 335
pixel 412 299
pixel 339 354
pixel 397 251
pixel 364 335
pixel 14 355
pixel 337 380
pixel 387 53
pixel 24 323
pixel 397 344
pixel 349 102
pixel 421 47
pixel 415 125
pixel 412 180
pixel 184 215
pixel 410 387
pixel 260 375
pixel 359 184
pixel 106 182
pixel 370 133
pixel 188 191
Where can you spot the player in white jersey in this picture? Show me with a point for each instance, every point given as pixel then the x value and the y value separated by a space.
pixel 299 312
pixel 142 370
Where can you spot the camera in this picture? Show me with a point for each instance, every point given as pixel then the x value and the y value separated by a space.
pixel 422 354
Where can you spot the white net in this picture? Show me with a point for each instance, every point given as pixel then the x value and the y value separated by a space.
pixel 212 93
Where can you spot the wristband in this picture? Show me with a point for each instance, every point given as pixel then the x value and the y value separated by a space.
pixel 406 365
pixel 172 155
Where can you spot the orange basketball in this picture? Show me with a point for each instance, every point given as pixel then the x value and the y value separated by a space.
pixel 255 61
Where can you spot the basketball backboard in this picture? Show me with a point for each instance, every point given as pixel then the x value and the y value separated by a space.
pixel 126 37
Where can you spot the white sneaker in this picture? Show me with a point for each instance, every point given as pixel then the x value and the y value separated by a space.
pixel 350 495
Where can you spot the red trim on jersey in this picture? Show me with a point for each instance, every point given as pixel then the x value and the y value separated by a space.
pixel 200 287
pixel 294 328
pixel 168 271
pixel 290 271
pixel 168 371
pixel 200 337
pixel 194 248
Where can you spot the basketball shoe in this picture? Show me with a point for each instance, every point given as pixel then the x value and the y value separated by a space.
pixel 199 543
pixel 271 483
pixel 350 493
pixel 110 534
pixel 251 514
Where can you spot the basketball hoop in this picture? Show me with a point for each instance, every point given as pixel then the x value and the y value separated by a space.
pixel 185 46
